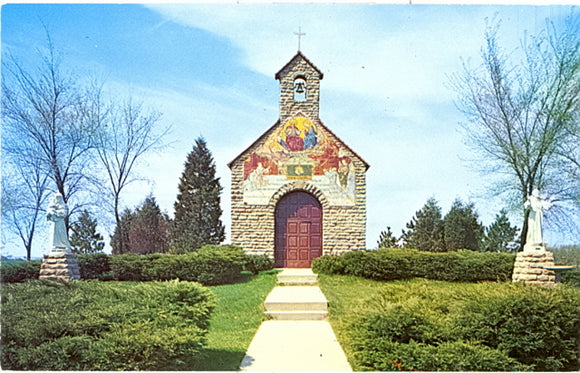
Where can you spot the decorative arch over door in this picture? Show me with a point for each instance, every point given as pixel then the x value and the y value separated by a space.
pixel 298 225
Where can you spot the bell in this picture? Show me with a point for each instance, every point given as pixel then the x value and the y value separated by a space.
pixel 299 87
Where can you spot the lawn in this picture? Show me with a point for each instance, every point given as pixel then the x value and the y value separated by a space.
pixel 234 322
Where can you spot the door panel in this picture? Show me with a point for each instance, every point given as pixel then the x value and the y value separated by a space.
pixel 298 230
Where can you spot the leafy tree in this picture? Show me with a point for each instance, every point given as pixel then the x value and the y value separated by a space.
pixel 425 230
pixel 387 240
pixel 197 209
pixel 144 231
pixel 522 115
pixel 500 234
pixel 84 238
pixel 462 228
pixel 568 255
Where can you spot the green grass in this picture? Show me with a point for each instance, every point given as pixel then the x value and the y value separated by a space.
pixel 234 322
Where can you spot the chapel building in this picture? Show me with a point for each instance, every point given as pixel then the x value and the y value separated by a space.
pixel 298 192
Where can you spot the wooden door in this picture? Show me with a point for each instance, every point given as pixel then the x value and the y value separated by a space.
pixel 298 230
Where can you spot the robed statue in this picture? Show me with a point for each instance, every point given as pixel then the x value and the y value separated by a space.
pixel 536 205
pixel 56 213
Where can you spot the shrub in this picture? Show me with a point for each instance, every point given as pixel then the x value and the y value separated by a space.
pixel 572 277
pixel 258 263
pixel 91 266
pixel 95 266
pixel 452 327
pixel 538 327
pixel 218 265
pixel 19 271
pixel 88 325
pixel 448 356
pixel 210 265
pixel 128 267
pixel 328 264
pixel 398 264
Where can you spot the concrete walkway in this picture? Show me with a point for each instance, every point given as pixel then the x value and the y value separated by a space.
pixel 298 338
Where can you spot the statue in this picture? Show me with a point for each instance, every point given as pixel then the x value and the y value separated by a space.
pixel 537 205
pixel 56 213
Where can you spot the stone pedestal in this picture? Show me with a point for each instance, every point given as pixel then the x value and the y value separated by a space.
pixel 530 267
pixel 60 265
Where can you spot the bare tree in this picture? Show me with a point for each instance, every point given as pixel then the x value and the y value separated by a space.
pixel 42 120
pixel 126 132
pixel 521 114
pixel 24 192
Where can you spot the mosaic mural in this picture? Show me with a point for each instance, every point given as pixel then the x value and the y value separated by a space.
pixel 299 150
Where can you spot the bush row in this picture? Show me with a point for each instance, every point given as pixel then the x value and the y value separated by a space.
pixel 103 326
pixel 400 264
pixel 210 265
pixel 484 327
pixel 572 277
pixel 19 270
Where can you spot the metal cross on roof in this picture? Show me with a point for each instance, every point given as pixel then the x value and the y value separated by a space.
pixel 299 34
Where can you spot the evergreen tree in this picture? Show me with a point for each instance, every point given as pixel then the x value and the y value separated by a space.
pixel 149 231
pixel 143 231
pixel 84 238
pixel 387 240
pixel 462 228
pixel 425 230
pixel 499 234
pixel 197 209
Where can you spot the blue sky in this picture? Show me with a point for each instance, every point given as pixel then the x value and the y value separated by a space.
pixel 210 70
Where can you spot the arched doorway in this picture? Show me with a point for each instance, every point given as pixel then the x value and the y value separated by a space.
pixel 298 230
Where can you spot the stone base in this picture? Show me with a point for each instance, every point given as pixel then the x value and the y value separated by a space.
pixel 529 267
pixel 60 266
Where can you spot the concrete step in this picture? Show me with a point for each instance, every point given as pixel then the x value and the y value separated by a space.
pixel 296 303
pixel 297 276
pixel 297 315
pixel 297 306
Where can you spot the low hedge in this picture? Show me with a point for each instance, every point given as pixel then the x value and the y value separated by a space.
pixel 19 270
pixel 210 265
pixel 95 266
pixel 103 326
pixel 400 264
pixel 483 327
pixel 572 277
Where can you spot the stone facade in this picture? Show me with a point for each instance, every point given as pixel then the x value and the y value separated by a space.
pixel 60 266
pixel 529 267
pixel 298 153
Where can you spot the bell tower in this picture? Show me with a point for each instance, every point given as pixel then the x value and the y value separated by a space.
pixel 299 88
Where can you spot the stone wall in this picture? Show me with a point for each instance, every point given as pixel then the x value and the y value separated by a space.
pixel 529 267
pixel 288 107
pixel 60 266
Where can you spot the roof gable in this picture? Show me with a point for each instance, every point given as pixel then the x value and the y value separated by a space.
pixel 294 61
pixel 269 139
